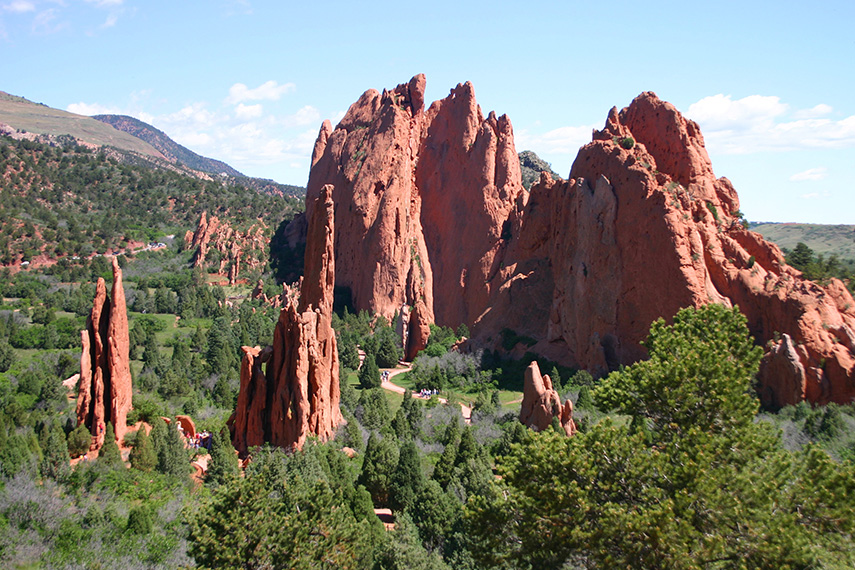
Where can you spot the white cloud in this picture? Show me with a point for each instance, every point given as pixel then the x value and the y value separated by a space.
pixel 268 91
pixel 307 115
pixel 763 123
pixel 720 112
pixel 248 111
pixel 19 7
pixel 110 21
pixel 90 109
pixel 563 140
pixel 816 195
pixel 817 111
pixel 810 174
pixel 105 3
pixel 46 22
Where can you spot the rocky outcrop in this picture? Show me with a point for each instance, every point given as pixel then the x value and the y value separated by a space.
pixel 422 198
pixel 290 391
pixel 431 215
pixel 232 246
pixel 541 403
pixel 104 389
pixel 643 228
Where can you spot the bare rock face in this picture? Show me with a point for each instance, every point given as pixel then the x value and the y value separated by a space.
pixel 431 216
pixel 105 390
pixel 297 394
pixel 642 229
pixel 541 403
pixel 421 200
pixel 234 246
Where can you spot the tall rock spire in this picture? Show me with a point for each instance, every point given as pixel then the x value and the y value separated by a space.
pixel 105 390
pixel 297 396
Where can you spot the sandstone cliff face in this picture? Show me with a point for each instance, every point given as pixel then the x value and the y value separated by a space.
pixel 431 215
pixel 421 201
pixel 105 391
pixel 297 395
pixel 541 403
pixel 233 246
pixel 642 229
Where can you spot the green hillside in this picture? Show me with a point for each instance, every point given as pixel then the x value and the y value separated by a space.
pixel 822 239
pixel 31 117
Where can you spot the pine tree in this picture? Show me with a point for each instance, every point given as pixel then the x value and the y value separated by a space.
pixel 143 455
pixel 407 479
pixel 110 454
pixel 55 463
pixel 223 466
pixel 369 373
pixel 171 457
pixel 381 459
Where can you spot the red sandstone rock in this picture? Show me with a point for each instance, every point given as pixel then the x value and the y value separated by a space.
pixel 430 214
pixel 298 394
pixel 105 390
pixel 638 233
pixel 234 246
pixel 541 403
pixel 421 201
pixel 187 425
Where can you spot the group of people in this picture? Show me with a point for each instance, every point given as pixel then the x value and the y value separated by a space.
pixel 428 392
pixel 385 375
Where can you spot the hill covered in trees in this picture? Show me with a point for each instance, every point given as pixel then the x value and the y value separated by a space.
pixel 68 201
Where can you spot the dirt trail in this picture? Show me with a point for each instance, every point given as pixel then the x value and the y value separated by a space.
pixel 388 385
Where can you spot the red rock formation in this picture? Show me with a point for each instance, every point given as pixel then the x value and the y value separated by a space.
pixel 421 201
pixel 187 426
pixel 541 403
pixel 431 215
pixel 298 394
pixel 234 246
pixel 105 392
pixel 642 229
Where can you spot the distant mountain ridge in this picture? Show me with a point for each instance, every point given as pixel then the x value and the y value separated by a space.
pixel 167 147
pixel 133 141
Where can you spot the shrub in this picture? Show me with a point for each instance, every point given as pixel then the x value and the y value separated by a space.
pixel 627 142
pixel 79 440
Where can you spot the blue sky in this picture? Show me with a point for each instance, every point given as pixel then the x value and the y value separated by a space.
pixel 772 84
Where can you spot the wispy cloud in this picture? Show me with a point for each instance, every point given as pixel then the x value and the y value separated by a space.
pixel 810 174
pixel 105 3
pixel 563 140
pixel 816 195
pixel 247 136
pixel 19 7
pixel 268 91
pixel 764 123
pixel 48 22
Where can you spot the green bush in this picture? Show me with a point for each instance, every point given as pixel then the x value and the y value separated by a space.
pixel 79 440
pixel 627 142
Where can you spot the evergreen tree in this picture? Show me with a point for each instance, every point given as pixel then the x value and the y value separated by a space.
pixel 381 459
pixel 171 457
pixel 373 409
pixel 7 355
pixel 79 440
pixel 110 454
pixel 55 463
pixel 404 549
pixel 143 455
pixel 444 469
pixel 407 479
pixel 223 465
pixel 369 373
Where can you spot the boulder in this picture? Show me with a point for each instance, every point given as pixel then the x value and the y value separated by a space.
pixel 290 391
pixel 105 391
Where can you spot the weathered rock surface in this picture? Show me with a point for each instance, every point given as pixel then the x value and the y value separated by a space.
pixel 105 392
pixel 296 395
pixel 234 246
pixel 421 201
pixel 541 403
pixel 643 228
pixel 431 214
